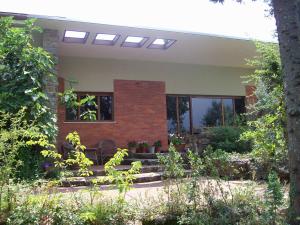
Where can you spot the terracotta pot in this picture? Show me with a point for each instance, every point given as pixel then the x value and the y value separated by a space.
pixel 180 147
pixel 157 149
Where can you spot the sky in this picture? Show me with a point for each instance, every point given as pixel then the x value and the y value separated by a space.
pixel 246 20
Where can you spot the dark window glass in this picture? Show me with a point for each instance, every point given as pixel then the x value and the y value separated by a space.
pixel 88 107
pixel 206 112
pixel 171 114
pixel 106 107
pixel 239 104
pixel 71 114
pixel 184 114
pixel 228 112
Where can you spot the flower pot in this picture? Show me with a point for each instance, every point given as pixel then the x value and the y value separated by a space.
pixel 132 149
pixel 157 149
pixel 151 149
pixel 180 147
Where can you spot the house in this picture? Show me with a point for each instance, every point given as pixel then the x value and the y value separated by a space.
pixel 147 82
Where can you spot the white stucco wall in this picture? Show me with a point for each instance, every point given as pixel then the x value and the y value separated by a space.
pixel 97 75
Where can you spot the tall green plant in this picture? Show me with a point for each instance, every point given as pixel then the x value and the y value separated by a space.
pixel 267 129
pixel 24 70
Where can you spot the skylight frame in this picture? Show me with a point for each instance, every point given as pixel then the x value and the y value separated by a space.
pixel 74 39
pixel 106 42
pixel 133 44
pixel 168 43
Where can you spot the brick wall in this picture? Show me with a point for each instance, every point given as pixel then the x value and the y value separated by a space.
pixel 250 95
pixel 139 114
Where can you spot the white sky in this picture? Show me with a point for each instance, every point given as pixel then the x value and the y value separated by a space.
pixel 246 20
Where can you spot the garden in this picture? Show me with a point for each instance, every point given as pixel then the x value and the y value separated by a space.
pixel 198 187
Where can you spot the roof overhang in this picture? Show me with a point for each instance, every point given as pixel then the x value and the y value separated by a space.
pixel 190 48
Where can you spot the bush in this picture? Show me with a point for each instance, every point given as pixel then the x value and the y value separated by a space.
pixel 228 139
pixel 45 209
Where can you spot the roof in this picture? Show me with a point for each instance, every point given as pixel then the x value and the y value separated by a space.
pixel 190 48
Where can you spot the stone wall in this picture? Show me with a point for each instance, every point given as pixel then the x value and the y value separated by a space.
pixel 50 44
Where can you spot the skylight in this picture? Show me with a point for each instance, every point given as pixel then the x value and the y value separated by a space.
pixel 71 36
pixel 134 41
pixel 106 39
pixel 160 43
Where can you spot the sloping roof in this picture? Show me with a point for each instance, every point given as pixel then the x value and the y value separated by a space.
pixel 190 48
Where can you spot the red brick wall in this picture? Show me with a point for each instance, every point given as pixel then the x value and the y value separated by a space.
pixel 139 114
pixel 250 95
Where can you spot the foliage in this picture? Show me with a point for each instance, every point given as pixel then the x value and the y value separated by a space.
pixel 173 172
pixel 176 139
pixel 122 179
pixel 45 209
pixel 274 198
pixel 157 143
pixel 70 99
pixel 227 138
pixel 132 144
pixel 24 71
pixel 267 129
pixel 76 156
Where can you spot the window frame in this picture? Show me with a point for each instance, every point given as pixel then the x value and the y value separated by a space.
pixel 97 95
pixel 232 97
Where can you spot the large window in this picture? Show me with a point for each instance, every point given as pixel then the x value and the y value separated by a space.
pixel 190 114
pixel 102 105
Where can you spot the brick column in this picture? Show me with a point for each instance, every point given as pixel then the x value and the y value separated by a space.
pixel 50 44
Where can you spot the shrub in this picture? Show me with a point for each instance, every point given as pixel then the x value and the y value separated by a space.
pixel 228 139
pixel 45 209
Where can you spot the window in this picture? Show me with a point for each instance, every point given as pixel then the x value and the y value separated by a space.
pixel 190 114
pixel 134 41
pixel 160 43
pixel 106 39
pixel 102 105
pixel 71 36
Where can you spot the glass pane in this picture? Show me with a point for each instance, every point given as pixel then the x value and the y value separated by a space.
pixel 89 110
pixel 184 114
pixel 207 112
pixel 228 112
pixel 71 114
pixel 106 105
pixel 171 114
pixel 239 104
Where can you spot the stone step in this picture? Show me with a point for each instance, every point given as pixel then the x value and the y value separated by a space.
pixel 128 161
pixel 142 155
pixel 140 178
pixel 99 170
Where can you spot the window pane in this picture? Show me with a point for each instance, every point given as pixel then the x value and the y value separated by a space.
pixel 171 114
pixel 106 105
pixel 71 114
pixel 207 112
pixel 228 112
pixel 88 109
pixel 239 104
pixel 184 114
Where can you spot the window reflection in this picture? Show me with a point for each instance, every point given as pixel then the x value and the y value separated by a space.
pixel 184 114
pixel 106 107
pixel 171 114
pixel 206 113
pixel 228 112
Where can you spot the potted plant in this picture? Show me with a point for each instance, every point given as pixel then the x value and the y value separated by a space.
pixel 152 149
pixel 157 145
pixel 143 146
pixel 178 142
pixel 132 145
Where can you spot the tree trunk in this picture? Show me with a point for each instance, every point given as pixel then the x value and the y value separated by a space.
pixel 287 15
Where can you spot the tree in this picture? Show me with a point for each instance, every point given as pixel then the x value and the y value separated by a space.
pixel 24 70
pixel 287 14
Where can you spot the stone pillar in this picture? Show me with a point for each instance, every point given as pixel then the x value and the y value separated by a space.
pixel 50 44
